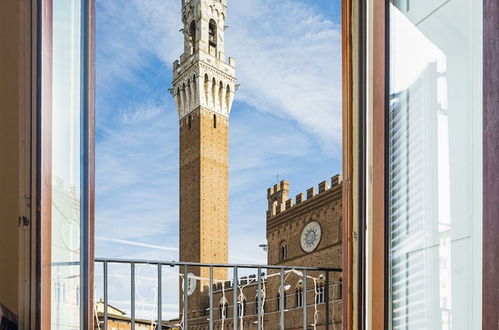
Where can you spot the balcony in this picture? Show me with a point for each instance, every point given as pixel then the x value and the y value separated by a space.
pixel 253 291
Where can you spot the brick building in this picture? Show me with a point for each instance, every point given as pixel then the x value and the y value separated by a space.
pixel 305 231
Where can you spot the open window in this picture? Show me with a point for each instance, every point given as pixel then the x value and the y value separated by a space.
pixel 283 251
pixel 192 37
pixel 212 37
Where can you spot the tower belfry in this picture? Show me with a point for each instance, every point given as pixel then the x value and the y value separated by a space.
pixel 203 89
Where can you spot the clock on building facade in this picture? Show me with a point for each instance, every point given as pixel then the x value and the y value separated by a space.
pixel 310 236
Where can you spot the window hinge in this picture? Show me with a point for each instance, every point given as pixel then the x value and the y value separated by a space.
pixel 27 199
pixel 24 221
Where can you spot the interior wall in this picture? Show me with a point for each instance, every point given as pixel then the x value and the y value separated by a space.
pixel 9 152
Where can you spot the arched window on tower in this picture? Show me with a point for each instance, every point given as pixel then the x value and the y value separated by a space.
pixel 283 251
pixel 192 37
pixel 212 37
pixel 189 121
pixel 214 121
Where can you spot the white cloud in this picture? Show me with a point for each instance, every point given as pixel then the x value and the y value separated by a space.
pixel 288 63
pixel 288 54
pixel 141 113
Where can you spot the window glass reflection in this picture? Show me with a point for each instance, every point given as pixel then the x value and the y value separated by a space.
pixel 66 165
pixel 435 164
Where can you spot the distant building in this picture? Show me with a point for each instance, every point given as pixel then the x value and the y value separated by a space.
pixel 118 320
pixel 305 231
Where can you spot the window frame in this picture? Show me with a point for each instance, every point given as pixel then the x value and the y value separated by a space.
pixel 378 298
pixel 42 146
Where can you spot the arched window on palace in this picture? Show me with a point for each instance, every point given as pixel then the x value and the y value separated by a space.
pixel 299 296
pixel 223 307
pixel 279 300
pixel 320 293
pixel 241 307
pixel 283 251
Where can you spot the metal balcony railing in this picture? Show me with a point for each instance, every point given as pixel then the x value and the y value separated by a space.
pixel 259 281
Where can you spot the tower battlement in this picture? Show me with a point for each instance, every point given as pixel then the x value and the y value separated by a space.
pixel 278 200
pixel 277 196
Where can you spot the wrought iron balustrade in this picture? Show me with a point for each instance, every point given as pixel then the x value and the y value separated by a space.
pixel 321 294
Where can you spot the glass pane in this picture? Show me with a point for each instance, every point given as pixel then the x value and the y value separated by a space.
pixel 66 174
pixel 435 161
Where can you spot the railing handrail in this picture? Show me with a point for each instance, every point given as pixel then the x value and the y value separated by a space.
pixel 196 264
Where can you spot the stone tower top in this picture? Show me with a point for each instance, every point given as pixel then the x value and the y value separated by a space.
pixel 203 76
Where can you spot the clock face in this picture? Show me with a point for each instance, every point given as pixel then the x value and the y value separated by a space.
pixel 310 236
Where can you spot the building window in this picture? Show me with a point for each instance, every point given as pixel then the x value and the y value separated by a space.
pixel 212 37
pixel 299 297
pixel 320 293
pixel 189 121
pixel 283 251
pixel 279 300
pixel 214 121
pixel 434 155
pixel 192 37
pixel 241 307
pixel 223 308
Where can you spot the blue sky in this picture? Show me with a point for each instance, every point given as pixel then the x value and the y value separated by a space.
pixel 285 121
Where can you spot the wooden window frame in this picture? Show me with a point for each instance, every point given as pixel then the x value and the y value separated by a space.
pixel 490 254
pixel 347 163
pixel 490 244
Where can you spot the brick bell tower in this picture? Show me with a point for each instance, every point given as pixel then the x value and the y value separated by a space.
pixel 203 88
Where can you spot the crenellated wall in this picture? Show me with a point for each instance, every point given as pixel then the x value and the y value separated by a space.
pixel 278 200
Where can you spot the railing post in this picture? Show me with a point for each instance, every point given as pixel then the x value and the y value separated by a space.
pixel 160 304
pixel 234 296
pixel 105 295
pixel 132 303
pixel 186 296
pixel 211 297
pixel 282 296
pixel 304 300
pixel 259 299
pixel 327 300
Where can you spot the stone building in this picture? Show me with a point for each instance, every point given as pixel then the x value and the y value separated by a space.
pixel 305 231
pixel 117 319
